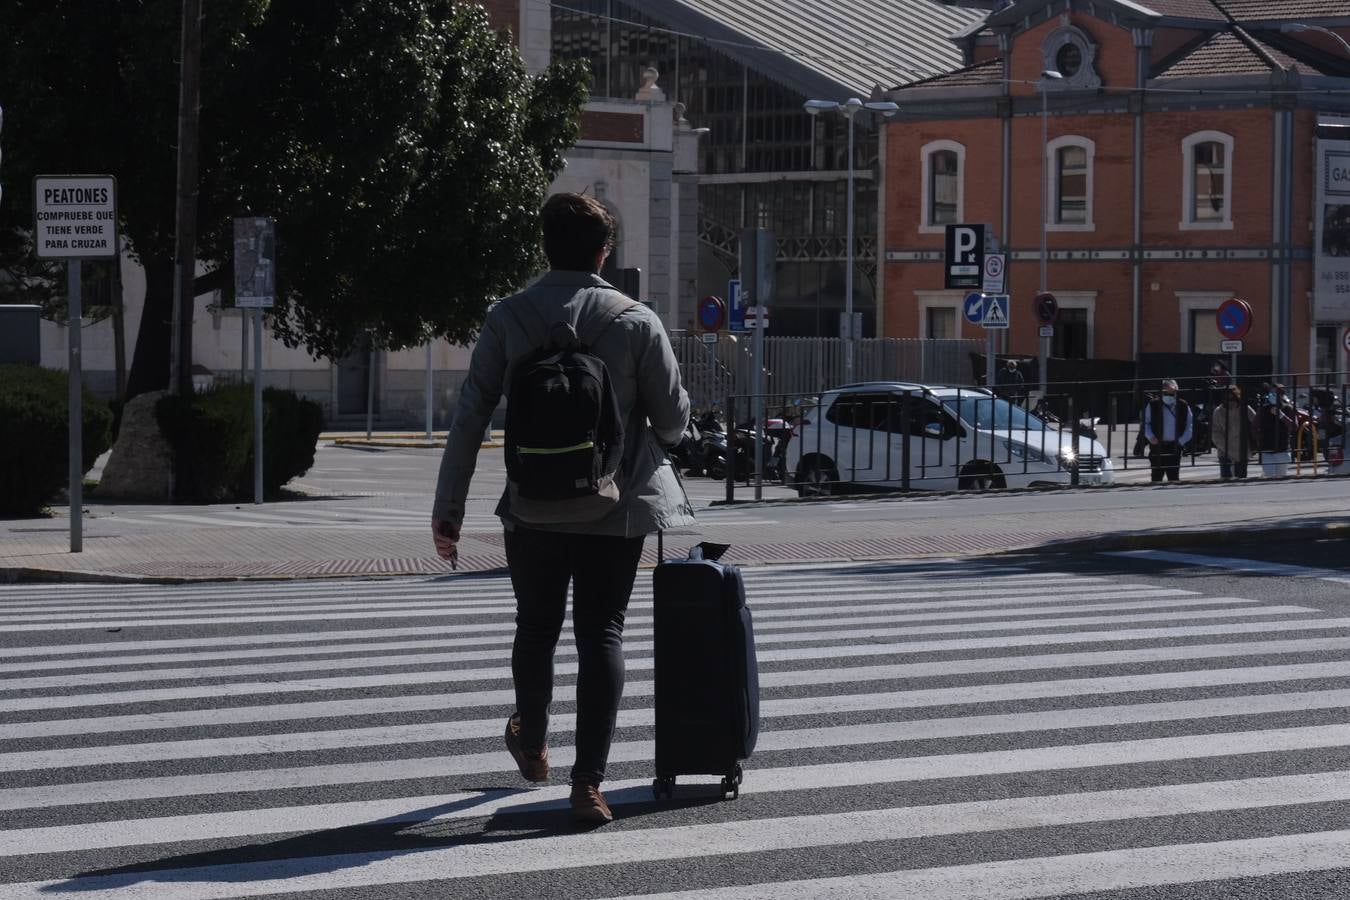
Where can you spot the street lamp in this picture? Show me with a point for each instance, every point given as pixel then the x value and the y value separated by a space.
pixel 1296 27
pixel 1048 77
pixel 850 109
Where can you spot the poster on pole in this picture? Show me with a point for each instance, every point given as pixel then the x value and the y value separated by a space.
pixel 1331 291
pixel 255 263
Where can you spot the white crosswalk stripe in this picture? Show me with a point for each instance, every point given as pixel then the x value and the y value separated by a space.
pixel 934 729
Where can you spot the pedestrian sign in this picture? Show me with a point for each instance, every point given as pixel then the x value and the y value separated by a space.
pixel 995 311
pixel 973 308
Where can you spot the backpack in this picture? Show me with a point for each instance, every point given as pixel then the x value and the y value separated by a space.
pixel 564 430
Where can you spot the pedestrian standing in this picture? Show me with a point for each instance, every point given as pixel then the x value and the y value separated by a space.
pixel 598 546
pixel 1167 427
pixel 1271 428
pixel 1009 383
pixel 1231 431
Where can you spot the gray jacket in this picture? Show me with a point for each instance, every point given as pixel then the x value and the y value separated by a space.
pixel 646 381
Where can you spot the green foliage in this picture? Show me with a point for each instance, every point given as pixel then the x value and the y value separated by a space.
pixel 35 453
pixel 212 439
pixel 400 145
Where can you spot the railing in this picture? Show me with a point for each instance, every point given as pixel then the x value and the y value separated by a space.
pixel 956 438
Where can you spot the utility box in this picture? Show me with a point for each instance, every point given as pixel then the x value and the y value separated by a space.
pixel 20 334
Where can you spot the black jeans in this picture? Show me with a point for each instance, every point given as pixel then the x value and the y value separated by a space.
pixel 1232 468
pixel 601 570
pixel 1165 459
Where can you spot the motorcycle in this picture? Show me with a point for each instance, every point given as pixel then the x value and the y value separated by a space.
pixel 1084 428
pixel 686 454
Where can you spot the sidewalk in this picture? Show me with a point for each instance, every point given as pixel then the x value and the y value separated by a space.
pixel 353 532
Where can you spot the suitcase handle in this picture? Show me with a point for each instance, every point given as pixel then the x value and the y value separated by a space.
pixel 709 551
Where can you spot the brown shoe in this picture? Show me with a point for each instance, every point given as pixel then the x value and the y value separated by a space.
pixel 588 805
pixel 533 764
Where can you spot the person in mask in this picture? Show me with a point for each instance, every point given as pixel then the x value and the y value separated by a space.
pixel 1167 428
pixel 1271 430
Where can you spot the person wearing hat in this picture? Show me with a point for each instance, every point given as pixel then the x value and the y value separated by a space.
pixel 1009 382
pixel 1271 429
pixel 1232 435
pixel 1167 427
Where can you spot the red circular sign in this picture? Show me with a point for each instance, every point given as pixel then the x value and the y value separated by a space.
pixel 1234 318
pixel 712 312
pixel 1047 308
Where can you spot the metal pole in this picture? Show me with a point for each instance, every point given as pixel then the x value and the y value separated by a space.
pixel 989 358
pixel 257 407
pixel 243 345
pixel 1232 368
pixel 848 254
pixel 758 404
pixel 76 402
pixel 370 390
pixel 1045 207
pixel 185 239
pixel 430 389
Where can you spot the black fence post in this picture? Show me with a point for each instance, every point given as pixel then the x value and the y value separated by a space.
pixel 1113 412
pixel 731 448
pixel 1073 433
pixel 904 441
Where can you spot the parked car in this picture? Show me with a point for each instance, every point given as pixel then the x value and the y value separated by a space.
pixel 959 438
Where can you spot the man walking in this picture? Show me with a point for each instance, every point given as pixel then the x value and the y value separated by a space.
pixel 1167 428
pixel 598 555
pixel 1009 383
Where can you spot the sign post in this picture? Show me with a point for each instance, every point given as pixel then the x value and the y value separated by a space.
pixel 994 318
pixel 1047 310
pixel 75 218
pixel 255 257
pixel 1234 319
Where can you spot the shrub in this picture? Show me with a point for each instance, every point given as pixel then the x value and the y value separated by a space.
pixel 212 439
pixel 35 449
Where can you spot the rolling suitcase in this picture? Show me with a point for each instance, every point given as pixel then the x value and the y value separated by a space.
pixel 707 680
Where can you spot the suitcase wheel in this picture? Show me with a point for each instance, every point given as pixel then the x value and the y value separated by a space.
pixel 663 787
pixel 731 787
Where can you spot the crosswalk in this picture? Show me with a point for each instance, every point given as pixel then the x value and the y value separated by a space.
pixel 932 729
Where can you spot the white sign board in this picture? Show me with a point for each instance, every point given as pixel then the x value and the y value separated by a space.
pixel 255 263
pixel 1230 346
pixel 1046 331
pixel 995 272
pixel 1331 289
pixel 76 216
pixel 995 311
pixel 709 337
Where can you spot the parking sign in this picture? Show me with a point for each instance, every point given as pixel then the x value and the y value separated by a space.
pixel 964 260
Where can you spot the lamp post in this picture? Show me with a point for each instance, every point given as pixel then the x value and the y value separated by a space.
pixel 1296 27
pixel 850 109
pixel 1048 76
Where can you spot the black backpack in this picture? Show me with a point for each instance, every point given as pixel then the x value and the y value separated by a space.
pixel 564 430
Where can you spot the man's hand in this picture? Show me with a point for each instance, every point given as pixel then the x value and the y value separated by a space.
pixel 1153 441
pixel 446 537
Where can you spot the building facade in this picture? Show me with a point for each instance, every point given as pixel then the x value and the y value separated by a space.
pixel 1164 153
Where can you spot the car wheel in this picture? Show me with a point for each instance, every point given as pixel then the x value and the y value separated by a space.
pixel 817 480
pixel 981 477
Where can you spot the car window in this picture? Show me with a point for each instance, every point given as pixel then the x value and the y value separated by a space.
pixel 860 411
pixel 923 411
pixel 987 412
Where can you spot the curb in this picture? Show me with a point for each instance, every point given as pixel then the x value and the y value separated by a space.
pixel 1161 540
pixel 362 443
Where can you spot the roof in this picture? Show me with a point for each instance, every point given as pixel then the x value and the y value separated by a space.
pixel 1204 10
pixel 855 44
pixel 1232 52
pixel 989 72
pixel 1284 10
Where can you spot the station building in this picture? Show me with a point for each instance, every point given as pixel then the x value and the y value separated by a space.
pixel 1171 154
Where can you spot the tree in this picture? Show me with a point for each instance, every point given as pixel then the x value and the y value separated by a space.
pixel 400 145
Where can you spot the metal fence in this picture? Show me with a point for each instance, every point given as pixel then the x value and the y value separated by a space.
pixel 964 438
pixel 712 372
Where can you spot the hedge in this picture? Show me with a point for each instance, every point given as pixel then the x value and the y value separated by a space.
pixel 35 449
pixel 211 435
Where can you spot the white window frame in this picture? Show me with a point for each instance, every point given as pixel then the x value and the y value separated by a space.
pixel 1082 300
pixel 942 300
pixel 1188 145
pixel 926 152
pixel 1189 302
pixel 1052 176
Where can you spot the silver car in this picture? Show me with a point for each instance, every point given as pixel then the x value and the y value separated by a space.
pixel 946 438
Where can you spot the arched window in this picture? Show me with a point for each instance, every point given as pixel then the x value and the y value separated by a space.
pixel 1207 180
pixel 944 164
pixel 1070 160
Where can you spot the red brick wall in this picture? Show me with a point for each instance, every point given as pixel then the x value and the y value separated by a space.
pixel 624 128
pixel 1115 61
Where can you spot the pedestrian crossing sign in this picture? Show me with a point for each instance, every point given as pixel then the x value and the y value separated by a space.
pixel 995 311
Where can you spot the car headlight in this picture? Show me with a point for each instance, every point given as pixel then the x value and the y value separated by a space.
pixel 1067 456
pixel 1021 451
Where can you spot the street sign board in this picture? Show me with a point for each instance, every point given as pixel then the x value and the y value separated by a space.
pixel 973 308
pixel 1046 331
pixel 1047 308
pixel 1230 346
pixel 712 312
pixel 735 311
pixel 255 263
pixel 964 259
pixel 76 216
pixel 995 273
pixel 756 317
pixel 709 337
pixel 1234 318
pixel 995 311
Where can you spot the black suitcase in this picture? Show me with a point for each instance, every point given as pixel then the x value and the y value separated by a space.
pixel 707 680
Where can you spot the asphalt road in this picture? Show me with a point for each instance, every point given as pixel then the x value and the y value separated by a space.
pixel 1170 724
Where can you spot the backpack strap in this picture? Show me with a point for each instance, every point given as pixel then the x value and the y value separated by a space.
pixel 610 308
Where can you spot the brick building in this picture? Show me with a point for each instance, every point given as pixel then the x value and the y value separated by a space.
pixel 1180 151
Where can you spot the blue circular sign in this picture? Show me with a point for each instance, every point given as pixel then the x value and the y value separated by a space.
pixel 1234 318
pixel 973 308
pixel 712 313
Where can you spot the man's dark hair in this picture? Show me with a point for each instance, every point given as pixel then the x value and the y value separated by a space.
pixel 576 229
